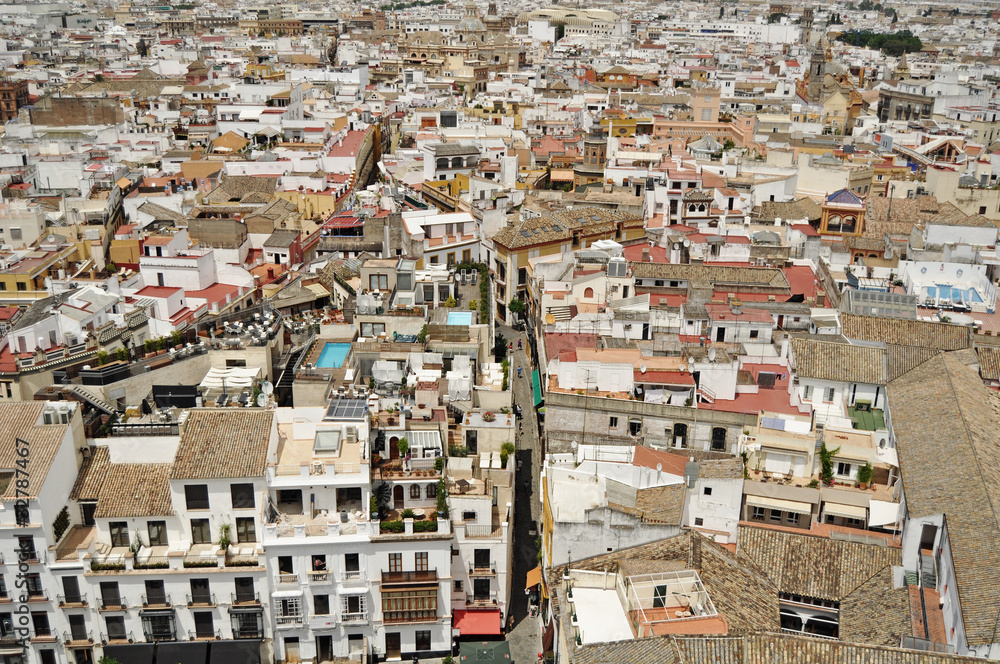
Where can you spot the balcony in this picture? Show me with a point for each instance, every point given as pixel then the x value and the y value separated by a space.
pixel 107 564
pixel 156 601
pixel 78 639
pixel 320 577
pixel 248 633
pixel 205 635
pixel 202 555
pixel 37 596
pixel 71 601
pixel 290 620
pixel 152 562
pixel 245 599
pixel 44 635
pixel 352 618
pixel 286 578
pixel 489 570
pixel 201 600
pixel 112 604
pixel 158 634
pixel 481 600
pixel 353 578
pixel 404 578
pixel 117 639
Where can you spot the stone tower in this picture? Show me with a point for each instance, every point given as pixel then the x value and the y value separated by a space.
pixel 817 72
pixel 807 26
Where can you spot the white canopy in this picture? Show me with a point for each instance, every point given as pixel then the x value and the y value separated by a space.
pixel 882 513
pixel 230 377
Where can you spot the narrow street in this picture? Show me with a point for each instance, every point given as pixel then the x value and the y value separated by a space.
pixel 525 638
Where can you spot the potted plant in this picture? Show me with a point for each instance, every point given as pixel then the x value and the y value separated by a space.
pixel 489 416
pixel 224 536
pixel 865 475
pixel 404 447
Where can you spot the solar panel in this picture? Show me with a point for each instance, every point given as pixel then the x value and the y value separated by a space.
pixel 773 423
pixel 346 409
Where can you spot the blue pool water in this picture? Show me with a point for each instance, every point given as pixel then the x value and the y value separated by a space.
pixel 460 318
pixel 333 355
pixel 957 294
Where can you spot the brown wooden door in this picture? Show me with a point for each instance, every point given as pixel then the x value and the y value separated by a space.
pixel 392 647
pixel 394 448
pixel 397 497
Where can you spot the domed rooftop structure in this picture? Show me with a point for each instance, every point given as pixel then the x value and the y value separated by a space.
pixel 471 22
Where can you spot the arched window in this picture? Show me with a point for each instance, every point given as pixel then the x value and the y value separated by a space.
pixel 432 490
pixel 456 162
pixel 414 491
pixel 589 293
pixel 718 439
pixel 834 223
pixel 691 207
pixel 442 163
pixel 680 435
pixel 701 207
pixel 848 225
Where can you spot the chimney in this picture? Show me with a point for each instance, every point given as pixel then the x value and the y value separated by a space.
pixel 645 254
pixel 736 306
pixel 696 551
pixel 690 472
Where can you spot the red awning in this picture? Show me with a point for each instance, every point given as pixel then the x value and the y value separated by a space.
pixel 344 222
pixel 477 622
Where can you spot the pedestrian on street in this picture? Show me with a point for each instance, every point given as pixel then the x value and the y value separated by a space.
pixel 519 372
pixel 519 344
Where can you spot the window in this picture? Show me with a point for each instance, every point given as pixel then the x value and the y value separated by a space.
pixel 379 281
pixel 409 605
pixel 414 491
pixel 155 593
pixel 451 258
pixel 354 606
pixel 423 639
pixel 434 260
pixel 754 334
pixel 196 496
pixel 458 586
pixel 680 435
pixel 119 533
pixel 15 233
pixel 395 562
pixel 201 592
pixel 718 439
pixel 40 621
pixel 159 626
pixel 843 469
pixel 757 513
pixel 829 395
pixel 22 286
pixel 698 521
pixel 634 427
pixel 204 625
pixel 321 605
pixel 116 628
pixel 201 532
pixel 432 490
pixel 71 590
pixel 468 515
pixel 855 522
pixel 242 496
pixel 707 491
pixel 613 422
pixel 157 533
pixel 420 561
pixel 246 530
pixel 792 518
pixel 807 392
pixel 982 209
pixel 775 515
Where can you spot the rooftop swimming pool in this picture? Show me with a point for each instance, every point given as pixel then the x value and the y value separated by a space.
pixel 460 318
pixel 333 355
pixel 946 292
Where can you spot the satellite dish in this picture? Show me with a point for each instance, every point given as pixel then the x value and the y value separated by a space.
pixel 262 400
pixel 642 368
pixel 267 387
pixel 550 319
pixel 659 467
pixel 711 355
pixel 687 242
pixel 676 246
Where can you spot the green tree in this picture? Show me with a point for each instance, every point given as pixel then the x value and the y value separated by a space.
pixel 516 307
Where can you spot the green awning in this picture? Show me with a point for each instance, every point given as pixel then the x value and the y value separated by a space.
pixel 536 387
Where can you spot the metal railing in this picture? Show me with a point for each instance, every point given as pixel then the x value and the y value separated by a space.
pixel 248 633
pixel 488 570
pixel 320 577
pixel 112 604
pixel 156 600
pixel 409 577
pixel 159 634
pixel 290 619
pixel 246 598
pixel 119 638
pixel 204 635
pixel 207 599
pixel 86 637
pixel 71 599
pixel 481 600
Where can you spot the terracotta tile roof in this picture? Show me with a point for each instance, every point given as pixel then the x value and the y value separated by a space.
pixel 123 489
pixel 811 566
pixel 657 650
pixel 722 277
pixel 18 420
pixel 989 362
pixel 228 442
pixel 837 360
pixel 946 392
pixel 925 334
pixel 876 613
pixel 236 187
pixel 803 208
pixel 662 504
pixel 557 226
